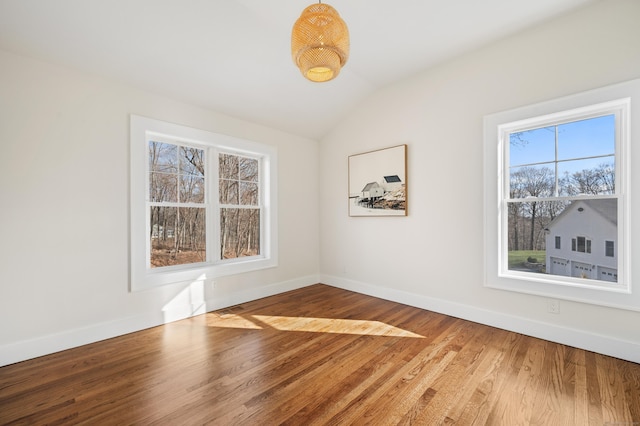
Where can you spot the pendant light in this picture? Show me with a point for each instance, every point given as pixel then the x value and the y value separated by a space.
pixel 320 43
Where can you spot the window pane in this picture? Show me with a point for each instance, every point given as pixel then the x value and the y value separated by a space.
pixel 531 181
pixel 228 166
pixel 248 169
pixel 587 177
pixel 532 146
pixel 163 187
pixel 582 153
pixel 249 193
pixel 239 178
pixel 163 183
pixel 176 173
pixel 163 157
pixel 191 189
pixel 177 236
pixel 240 232
pixel 587 138
pixel 535 230
pixel 228 191
pixel 192 161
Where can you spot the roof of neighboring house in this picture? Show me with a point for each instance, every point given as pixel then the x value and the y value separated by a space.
pixel 392 179
pixel 607 208
pixel 370 185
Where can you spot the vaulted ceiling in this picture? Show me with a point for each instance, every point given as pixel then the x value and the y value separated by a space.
pixel 233 56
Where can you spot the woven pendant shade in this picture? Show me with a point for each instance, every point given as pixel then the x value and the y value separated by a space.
pixel 320 43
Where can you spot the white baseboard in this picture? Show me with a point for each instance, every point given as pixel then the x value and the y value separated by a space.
pixel 32 348
pixel 45 345
pixel 582 339
pixel 51 343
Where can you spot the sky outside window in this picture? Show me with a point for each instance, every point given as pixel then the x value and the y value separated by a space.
pixel 581 145
pixel 578 139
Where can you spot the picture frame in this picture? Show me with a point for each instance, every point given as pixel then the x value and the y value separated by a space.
pixel 378 182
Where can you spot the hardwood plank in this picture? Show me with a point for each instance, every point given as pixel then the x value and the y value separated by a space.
pixel 472 402
pixel 581 391
pixel 614 405
pixel 321 356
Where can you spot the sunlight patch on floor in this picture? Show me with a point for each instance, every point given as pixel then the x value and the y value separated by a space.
pixel 310 324
pixel 229 319
pixel 334 325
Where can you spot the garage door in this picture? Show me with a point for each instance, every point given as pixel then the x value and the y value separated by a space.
pixel 608 274
pixel 581 270
pixel 559 266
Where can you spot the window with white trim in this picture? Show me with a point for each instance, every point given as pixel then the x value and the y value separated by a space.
pixel 560 177
pixel 608 248
pixel 202 204
pixel 559 170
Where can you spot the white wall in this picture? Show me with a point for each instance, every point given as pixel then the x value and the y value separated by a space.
pixel 433 258
pixel 64 185
pixel 64 197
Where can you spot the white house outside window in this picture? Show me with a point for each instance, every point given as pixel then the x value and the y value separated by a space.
pixel 561 180
pixel 556 197
pixel 202 204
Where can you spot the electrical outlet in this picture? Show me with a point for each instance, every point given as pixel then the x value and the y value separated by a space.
pixel 553 306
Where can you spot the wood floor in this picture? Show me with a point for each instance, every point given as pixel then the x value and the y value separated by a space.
pixel 322 356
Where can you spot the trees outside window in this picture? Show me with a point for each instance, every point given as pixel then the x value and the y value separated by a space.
pixel 550 166
pixel 556 171
pixel 561 177
pixel 203 204
pixel 177 208
pixel 239 206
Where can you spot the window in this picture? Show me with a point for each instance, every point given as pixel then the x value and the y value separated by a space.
pixel 560 174
pixel 202 204
pixel 581 244
pixel 608 248
pixel 558 171
pixel 239 206
pixel 177 207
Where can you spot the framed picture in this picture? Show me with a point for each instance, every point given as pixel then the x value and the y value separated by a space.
pixel 378 182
